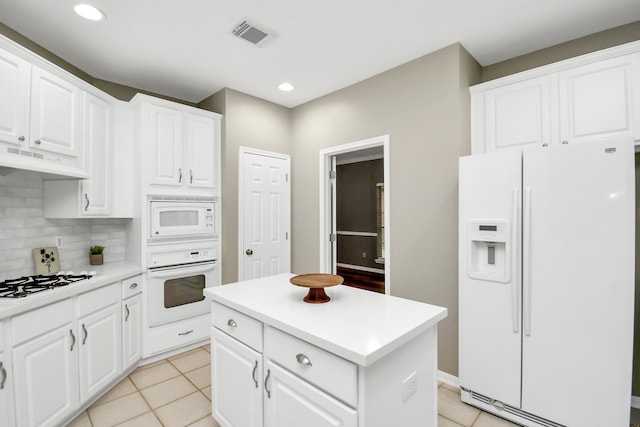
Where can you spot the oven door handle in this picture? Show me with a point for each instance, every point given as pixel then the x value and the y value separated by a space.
pixel 182 270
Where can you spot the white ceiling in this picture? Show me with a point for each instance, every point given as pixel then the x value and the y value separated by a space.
pixel 185 49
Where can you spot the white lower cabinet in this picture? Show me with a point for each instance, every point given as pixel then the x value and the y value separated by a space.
pixel 293 383
pixel 59 361
pixel 5 389
pixel 45 365
pixel 236 383
pixel 131 321
pixel 100 350
pixel 292 402
pixel 6 379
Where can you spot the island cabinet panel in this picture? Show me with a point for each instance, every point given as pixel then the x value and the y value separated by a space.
pixel 236 381
pixel 292 402
pixel 293 363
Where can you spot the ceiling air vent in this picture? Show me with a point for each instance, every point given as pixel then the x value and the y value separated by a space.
pixel 252 34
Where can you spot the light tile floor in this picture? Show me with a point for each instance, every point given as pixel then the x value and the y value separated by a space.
pixel 176 392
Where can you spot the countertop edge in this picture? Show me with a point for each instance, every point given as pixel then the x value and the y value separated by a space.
pixel 358 358
pixel 107 274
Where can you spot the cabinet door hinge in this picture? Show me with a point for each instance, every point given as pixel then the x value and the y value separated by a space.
pixel 332 237
pixel 332 174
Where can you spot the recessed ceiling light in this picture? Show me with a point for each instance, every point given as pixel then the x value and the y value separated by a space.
pixel 89 12
pixel 285 87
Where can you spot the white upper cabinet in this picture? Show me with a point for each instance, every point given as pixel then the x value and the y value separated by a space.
pixel 40 116
pixel 165 146
pixel 90 197
pixel 600 100
pixel 519 114
pixel 201 150
pixel 56 121
pixel 591 97
pixel 15 81
pixel 97 131
pixel 180 144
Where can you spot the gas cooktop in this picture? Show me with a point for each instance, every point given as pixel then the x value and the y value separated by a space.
pixel 29 285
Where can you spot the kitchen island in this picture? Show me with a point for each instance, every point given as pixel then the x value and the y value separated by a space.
pixel 362 359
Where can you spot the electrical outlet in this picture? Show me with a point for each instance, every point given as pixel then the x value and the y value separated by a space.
pixel 364 254
pixel 409 385
pixel 59 242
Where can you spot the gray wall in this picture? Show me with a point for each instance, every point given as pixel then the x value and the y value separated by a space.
pixel 247 122
pixel 591 43
pixel 424 107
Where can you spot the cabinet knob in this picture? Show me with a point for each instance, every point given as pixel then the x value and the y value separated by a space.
pixel 38 142
pixel 21 138
pixel 303 360
pixel 565 142
pixel 133 285
pixel 232 323
pixel 545 144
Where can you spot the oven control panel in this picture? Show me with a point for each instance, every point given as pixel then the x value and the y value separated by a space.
pixel 201 255
pixel 161 258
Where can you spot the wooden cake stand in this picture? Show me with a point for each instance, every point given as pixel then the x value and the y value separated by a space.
pixel 316 283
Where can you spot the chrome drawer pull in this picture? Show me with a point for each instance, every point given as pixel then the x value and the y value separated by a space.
pixel 133 285
pixel 86 334
pixel 253 374
pixel 266 384
pixel 4 376
pixel 303 360
pixel 185 333
pixel 232 323
pixel 73 339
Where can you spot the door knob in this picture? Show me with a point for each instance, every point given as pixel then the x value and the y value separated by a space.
pixel 248 252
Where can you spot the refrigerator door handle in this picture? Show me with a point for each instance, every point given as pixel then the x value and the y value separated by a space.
pixel 515 282
pixel 526 263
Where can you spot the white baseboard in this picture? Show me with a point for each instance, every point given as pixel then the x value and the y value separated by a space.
pixel 453 381
pixel 448 379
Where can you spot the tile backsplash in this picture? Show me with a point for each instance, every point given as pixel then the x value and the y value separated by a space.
pixel 23 228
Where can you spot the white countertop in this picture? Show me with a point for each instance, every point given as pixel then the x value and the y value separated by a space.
pixel 106 274
pixel 358 325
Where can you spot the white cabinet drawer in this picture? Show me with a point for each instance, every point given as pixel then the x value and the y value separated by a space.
pixel 36 322
pixel 98 299
pixel 240 326
pixel 327 371
pixel 131 286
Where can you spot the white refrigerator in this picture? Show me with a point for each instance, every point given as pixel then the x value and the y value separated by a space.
pixel 546 283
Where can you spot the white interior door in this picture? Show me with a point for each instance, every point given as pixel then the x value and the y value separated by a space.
pixel 264 214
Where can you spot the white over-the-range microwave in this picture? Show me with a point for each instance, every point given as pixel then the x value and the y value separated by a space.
pixel 175 218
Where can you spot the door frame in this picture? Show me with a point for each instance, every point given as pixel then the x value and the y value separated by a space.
pixel 241 152
pixel 326 212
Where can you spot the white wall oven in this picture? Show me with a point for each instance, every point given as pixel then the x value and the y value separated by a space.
pixel 176 278
pixel 176 219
